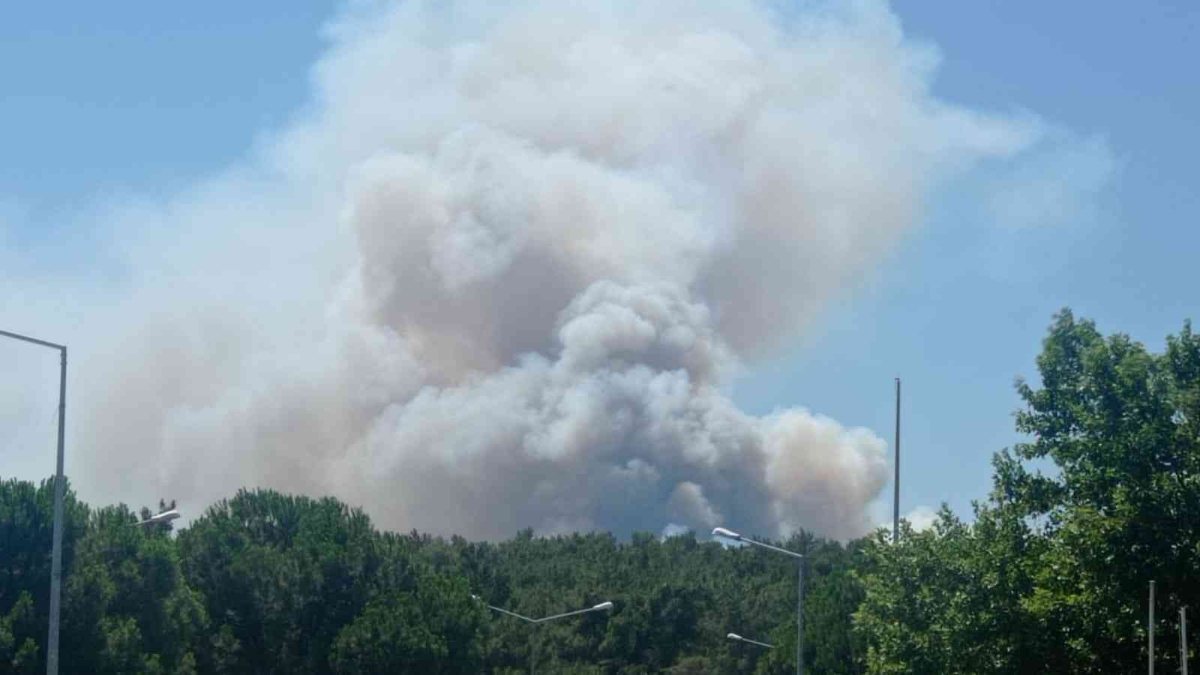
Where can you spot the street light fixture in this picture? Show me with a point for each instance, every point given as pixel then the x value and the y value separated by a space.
pixel 739 638
pixel 59 487
pixel 730 534
pixel 602 607
pixel 164 517
pixel 727 534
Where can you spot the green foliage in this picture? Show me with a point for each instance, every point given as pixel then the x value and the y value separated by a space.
pixel 18 649
pixel 948 600
pixel 272 583
pixel 431 629
pixel 282 575
pixel 1120 424
pixel 1052 576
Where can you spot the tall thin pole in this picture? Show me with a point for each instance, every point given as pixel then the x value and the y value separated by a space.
pixel 896 482
pixel 56 551
pixel 800 618
pixel 1183 654
pixel 60 484
pixel 1151 627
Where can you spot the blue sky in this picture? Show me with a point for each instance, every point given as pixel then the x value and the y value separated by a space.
pixel 143 97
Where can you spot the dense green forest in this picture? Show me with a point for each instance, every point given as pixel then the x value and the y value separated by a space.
pixel 1048 575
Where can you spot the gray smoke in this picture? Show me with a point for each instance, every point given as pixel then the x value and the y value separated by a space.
pixel 499 272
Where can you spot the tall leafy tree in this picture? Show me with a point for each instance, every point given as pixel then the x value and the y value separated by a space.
pixel 281 576
pixel 1052 575
pixel 431 628
pixel 1121 426
pixel 128 608
pixel 26 527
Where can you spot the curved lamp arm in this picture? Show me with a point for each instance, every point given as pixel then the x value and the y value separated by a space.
pixel 602 607
pixel 730 534
pixel 739 638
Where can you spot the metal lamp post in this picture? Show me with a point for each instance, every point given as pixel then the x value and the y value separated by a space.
pixel 730 534
pixel 602 607
pixel 739 638
pixel 59 487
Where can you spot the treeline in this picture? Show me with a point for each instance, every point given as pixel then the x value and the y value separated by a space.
pixel 1050 575
pixel 273 583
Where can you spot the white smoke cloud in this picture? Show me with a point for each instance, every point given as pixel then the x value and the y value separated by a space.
pixel 922 518
pixel 499 272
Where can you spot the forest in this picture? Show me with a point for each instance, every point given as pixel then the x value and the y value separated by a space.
pixel 1099 495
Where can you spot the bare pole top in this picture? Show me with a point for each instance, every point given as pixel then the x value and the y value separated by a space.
pixel 896 466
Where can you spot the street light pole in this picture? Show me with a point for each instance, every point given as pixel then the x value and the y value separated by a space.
pixel 730 534
pixel 602 607
pixel 59 487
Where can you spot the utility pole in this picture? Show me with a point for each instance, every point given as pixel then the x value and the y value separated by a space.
pixel 896 483
pixel 60 484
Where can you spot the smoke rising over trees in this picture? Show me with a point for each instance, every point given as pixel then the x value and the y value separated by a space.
pixel 500 271
pixel 1050 575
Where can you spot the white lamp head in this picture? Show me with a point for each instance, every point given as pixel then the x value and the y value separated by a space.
pixel 734 636
pixel 727 534
pixel 165 516
pixel 604 606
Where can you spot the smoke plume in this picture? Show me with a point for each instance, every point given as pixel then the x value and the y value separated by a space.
pixel 500 270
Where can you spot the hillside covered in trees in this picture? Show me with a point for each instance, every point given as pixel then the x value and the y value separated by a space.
pixel 1048 575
